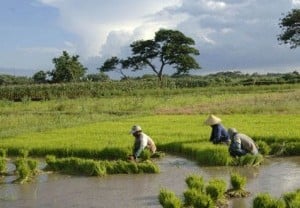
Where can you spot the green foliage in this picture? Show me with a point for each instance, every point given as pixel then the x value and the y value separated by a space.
pixel 290 29
pixel 216 189
pixel 3 152
pixel 214 156
pixel 248 160
pixel 292 199
pixel 195 182
pixel 25 169
pixel 266 201
pixel 78 166
pixel 196 198
pixel 67 68
pixel 168 199
pixel 238 182
pixel 263 147
pixel 40 77
pixel 2 165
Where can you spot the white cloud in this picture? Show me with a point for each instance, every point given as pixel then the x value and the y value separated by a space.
pixel 296 2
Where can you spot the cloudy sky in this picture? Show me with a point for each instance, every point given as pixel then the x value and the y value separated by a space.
pixel 230 34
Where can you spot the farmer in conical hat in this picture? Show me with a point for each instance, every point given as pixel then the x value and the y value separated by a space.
pixel 141 141
pixel 219 134
pixel 241 144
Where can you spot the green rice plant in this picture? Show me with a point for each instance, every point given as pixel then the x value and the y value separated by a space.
pixel 204 201
pixel 292 199
pixel 148 167
pixel 264 200
pixel 145 155
pixel 195 182
pixel 214 156
pixel 263 147
pixel 248 160
pixel 196 198
pixel 216 189
pixel 3 152
pixel 168 199
pixel 237 181
pixel 22 170
pixel 3 163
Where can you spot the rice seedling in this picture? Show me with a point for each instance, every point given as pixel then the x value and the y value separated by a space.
pixel 3 152
pixel 238 183
pixel 196 198
pixel 195 182
pixel 25 169
pixel 263 147
pixel 248 160
pixel 216 189
pixel 3 163
pixel 267 201
pixel 292 199
pixel 168 199
pixel 89 167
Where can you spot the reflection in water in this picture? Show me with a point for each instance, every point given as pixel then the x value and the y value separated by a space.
pixel 276 176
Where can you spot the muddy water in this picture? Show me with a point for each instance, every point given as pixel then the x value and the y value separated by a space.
pixel 276 176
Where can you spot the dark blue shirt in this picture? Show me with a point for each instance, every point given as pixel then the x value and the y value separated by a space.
pixel 219 134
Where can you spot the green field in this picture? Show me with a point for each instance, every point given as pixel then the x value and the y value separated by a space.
pixel 99 127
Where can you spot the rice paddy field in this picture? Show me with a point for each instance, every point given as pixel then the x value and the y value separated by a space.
pixel 98 128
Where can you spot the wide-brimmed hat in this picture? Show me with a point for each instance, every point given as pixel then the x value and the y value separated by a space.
pixel 135 129
pixel 231 131
pixel 212 120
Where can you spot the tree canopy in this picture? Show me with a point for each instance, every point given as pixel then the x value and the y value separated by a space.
pixel 67 68
pixel 169 47
pixel 290 26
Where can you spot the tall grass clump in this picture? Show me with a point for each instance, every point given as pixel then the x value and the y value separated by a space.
pixel 168 199
pixel 264 200
pixel 216 156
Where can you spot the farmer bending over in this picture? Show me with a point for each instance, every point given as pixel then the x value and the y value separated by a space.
pixel 241 144
pixel 219 134
pixel 141 142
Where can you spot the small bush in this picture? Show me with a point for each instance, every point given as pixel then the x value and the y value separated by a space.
pixel 238 182
pixel 266 201
pixel 168 199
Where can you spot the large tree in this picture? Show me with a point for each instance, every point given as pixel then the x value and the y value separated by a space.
pixel 169 47
pixel 290 26
pixel 67 68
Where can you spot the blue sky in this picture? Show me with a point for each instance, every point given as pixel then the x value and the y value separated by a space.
pixel 230 35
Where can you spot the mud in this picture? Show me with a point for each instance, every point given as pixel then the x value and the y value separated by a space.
pixel 276 176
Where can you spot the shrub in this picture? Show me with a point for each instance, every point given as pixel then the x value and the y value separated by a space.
pixel 238 182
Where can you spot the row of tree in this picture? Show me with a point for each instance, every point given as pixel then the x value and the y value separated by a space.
pixel 168 48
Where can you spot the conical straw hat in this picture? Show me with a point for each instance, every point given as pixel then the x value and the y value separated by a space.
pixel 212 120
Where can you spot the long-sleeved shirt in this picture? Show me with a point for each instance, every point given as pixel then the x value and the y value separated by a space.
pixel 141 142
pixel 219 134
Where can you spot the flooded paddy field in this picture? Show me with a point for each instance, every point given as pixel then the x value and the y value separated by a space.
pixel 50 190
